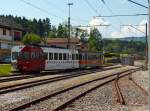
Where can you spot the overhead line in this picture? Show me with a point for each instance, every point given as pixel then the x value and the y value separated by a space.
pixel 138 4
pixel 63 11
pixel 34 6
pixel 109 9
pixel 53 5
pixel 91 25
pixel 47 12
pixel 91 6
pixel 135 27
pixel 122 15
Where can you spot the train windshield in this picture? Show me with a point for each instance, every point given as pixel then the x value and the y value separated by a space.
pixel 15 55
pixel 24 55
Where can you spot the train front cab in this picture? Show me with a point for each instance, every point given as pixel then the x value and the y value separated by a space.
pixel 31 59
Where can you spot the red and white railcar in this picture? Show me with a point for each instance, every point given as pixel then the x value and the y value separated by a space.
pixel 33 58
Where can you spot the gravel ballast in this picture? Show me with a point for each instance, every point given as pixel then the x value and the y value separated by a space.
pixel 104 98
pixel 142 78
pixel 16 98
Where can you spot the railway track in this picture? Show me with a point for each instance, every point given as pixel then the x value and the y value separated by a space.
pixel 27 76
pixel 105 80
pixel 120 97
pixel 13 87
pixel 13 78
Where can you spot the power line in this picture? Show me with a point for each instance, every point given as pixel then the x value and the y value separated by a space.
pixel 138 4
pixel 91 25
pixel 91 6
pixel 135 27
pixel 63 11
pixel 106 6
pixel 109 9
pixel 55 6
pixel 45 11
pixel 122 15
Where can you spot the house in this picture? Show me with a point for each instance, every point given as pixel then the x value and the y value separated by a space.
pixel 10 35
pixel 74 43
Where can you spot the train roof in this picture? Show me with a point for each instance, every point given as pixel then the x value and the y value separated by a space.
pixel 46 46
pixel 55 48
pixel 17 48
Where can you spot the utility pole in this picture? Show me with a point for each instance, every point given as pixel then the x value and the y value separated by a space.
pixel 69 30
pixel 148 35
pixel 149 42
pixel 146 48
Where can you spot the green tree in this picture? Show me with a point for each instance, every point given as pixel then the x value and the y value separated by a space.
pixel 62 31
pixel 31 38
pixel 53 32
pixel 95 40
pixel 81 34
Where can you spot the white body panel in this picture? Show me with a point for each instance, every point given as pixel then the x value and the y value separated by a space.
pixel 16 50
pixel 60 64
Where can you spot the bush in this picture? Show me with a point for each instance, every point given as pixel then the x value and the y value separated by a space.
pixel 31 38
pixel 112 55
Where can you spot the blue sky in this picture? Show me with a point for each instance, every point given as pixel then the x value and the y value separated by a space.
pixel 81 13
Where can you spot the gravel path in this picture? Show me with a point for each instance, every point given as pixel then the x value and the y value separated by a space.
pixel 10 100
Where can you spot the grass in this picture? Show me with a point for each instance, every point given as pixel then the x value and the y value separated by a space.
pixel 5 69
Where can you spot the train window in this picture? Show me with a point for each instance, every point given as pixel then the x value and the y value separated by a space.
pixel 80 56
pixel 95 57
pixel 64 56
pixel 55 56
pixel 14 55
pixel 77 56
pixel 25 55
pixel 60 56
pixel 40 55
pixel 83 58
pixel 67 56
pixel 73 57
pixel 46 56
pixel 33 56
pixel 90 57
pixel 50 56
pixel 37 55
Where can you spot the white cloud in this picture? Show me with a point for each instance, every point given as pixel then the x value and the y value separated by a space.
pixel 128 31
pixel 94 24
pixel 99 21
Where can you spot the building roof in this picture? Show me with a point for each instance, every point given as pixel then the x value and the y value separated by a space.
pixel 9 23
pixel 62 40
